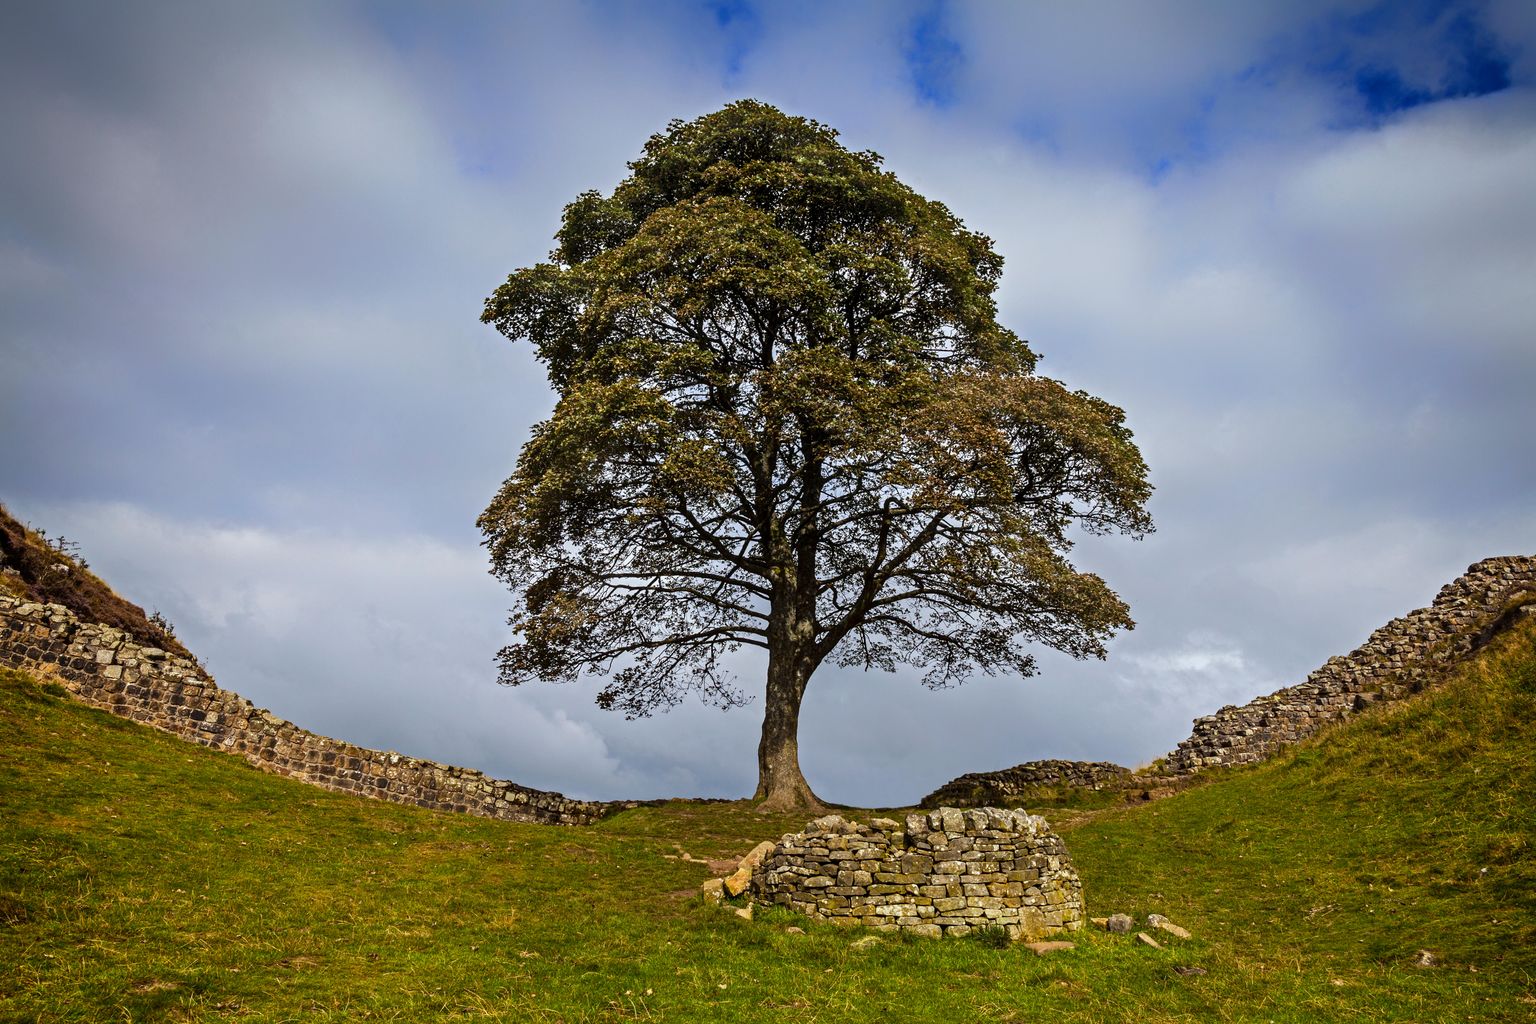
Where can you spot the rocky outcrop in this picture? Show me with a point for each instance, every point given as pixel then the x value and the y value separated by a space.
pixel 106 668
pixel 1399 659
pixel 942 873
pixel 1012 785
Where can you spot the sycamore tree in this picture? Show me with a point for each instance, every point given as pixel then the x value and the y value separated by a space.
pixel 789 419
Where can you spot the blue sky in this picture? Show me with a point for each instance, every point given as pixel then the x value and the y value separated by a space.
pixel 244 248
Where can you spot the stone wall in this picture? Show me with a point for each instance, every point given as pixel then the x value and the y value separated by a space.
pixel 1398 659
pixel 945 872
pixel 105 668
pixel 979 789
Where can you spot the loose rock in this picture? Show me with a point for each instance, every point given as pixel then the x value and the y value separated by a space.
pixel 1043 948
pixel 1120 924
pixel 737 882
pixel 753 859
pixel 1147 940
pixel 1162 924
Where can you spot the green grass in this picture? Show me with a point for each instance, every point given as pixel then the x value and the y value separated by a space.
pixel 144 879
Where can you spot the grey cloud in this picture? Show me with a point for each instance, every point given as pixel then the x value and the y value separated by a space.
pixel 244 248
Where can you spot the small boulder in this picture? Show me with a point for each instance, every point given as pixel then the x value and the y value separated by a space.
pixel 737 882
pixel 1426 959
pixel 1147 940
pixel 745 913
pixel 1162 924
pixel 1190 972
pixel 1099 922
pixel 865 942
pixel 753 859
pixel 794 930
pixel 1120 924
pixel 713 889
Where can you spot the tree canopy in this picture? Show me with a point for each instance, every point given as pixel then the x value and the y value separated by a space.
pixel 788 418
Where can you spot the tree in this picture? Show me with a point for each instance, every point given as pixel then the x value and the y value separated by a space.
pixel 789 419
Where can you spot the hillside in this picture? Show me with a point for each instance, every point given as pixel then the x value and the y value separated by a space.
pixel 145 879
pixel 33 568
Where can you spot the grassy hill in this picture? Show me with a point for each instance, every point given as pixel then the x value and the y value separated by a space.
pixel 144 879
pixel 35 568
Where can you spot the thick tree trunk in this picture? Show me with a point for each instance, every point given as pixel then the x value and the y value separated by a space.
pixel 791 647
pixel 780 784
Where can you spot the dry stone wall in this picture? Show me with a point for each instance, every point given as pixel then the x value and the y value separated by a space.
pixel 105 668
pixel 1398 659
pixel 979 789
pixel 944 872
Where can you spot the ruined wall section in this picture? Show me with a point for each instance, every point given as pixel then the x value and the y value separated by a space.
pixel 1010 785
pixel 106 668
pixel 942 873
pixel 1398 659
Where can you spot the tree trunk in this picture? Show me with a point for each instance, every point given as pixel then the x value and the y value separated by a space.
pixel 780 785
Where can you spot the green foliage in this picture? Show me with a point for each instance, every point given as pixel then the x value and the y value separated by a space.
pixel 146 879
pixel 789 418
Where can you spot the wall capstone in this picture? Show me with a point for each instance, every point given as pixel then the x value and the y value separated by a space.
pixel 1397 660
pixel 945 872
pixel 106 668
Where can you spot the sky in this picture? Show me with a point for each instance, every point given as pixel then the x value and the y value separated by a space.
pixel 244 249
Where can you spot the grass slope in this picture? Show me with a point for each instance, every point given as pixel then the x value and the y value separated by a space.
pixel 143 879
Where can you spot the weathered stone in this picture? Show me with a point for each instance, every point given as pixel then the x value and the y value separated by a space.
pixel 1162 924
pixel 713 889
pixel 1044 948
pixel 744 912
pixel 737 881
pixel 832 823
pixel 916 864
pixel 1147 940
pixel 1120 924
pixel 756 855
